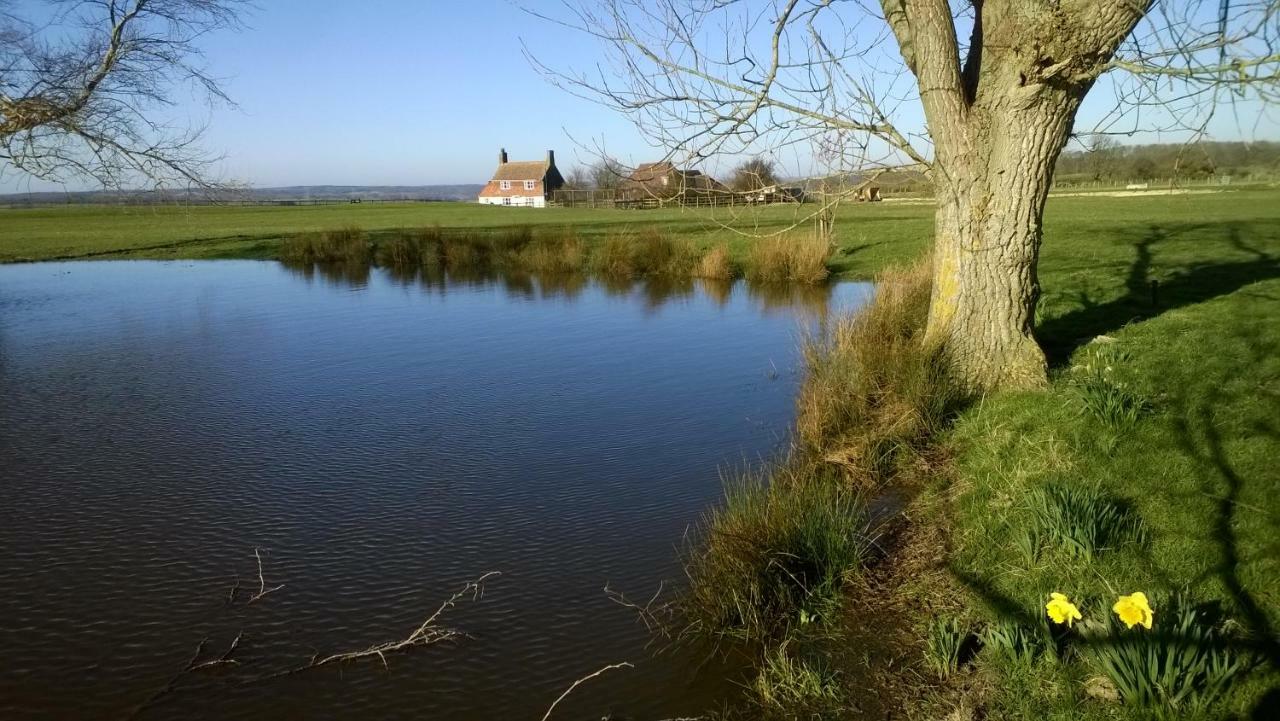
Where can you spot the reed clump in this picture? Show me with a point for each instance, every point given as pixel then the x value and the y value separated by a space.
pixel 715 264
pixel 553 252
pixel 875 392
pixel 343 245
pixel 651 252
pixel 613 258
pixel 795 257
pixel 776 554
pixel 657 253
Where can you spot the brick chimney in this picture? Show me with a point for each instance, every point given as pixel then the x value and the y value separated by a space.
pixel 502 156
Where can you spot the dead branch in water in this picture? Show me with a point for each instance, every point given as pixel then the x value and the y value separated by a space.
pixel 425 634
pixel 223 660
pixel 195 664
pixel 588 677
pixel 648 613
pixel 262 582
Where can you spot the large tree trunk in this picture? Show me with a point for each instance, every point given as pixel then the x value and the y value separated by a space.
pixel 987 242
pixel 998 123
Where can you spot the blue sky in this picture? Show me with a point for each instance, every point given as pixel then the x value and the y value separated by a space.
pixel 397 92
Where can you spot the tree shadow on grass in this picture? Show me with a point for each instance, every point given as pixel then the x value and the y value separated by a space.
pixel 1197 423
pixel 1146 296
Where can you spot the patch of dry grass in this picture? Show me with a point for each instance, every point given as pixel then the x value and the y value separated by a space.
pixel 715 264
pixel 797 257
pixel 874 390
pixel 343 245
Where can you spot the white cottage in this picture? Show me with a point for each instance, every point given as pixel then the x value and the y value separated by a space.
pixel 527 184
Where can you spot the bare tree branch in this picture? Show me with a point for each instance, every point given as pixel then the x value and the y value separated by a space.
pixel 83 96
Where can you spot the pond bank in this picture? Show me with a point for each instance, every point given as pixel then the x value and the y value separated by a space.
pixel 1098 487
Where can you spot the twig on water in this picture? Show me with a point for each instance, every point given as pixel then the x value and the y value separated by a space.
pixel 262 581
pixel 195 664
pixel 425 634
pixel 223 660
pixel 588 677
pixel 648 613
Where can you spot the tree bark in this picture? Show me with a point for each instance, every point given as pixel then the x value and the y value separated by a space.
pixel 998 124
pixel 988 230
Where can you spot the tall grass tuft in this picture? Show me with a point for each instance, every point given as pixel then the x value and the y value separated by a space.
pixel 796 687
pixel 875 393
pixel 651 252
pixel 1174 671
pixel 1081 519
pixel 557 252
pixel 797 257
pixel 343 245
pixel 656 253
pixel 778 552
pixel 613 258
pixel 1015 641
pixel 715 264
pixel 404 250
pixel 466 254
pixel 944 641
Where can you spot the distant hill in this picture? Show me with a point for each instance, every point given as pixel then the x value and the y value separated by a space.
pixel 264 195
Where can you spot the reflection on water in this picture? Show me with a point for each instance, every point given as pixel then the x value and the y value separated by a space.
pixel 384 438
pixel 813 298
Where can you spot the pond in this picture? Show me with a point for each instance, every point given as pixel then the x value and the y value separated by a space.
pixel 379 441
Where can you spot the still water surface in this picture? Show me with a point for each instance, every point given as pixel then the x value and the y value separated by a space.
pixel 382 441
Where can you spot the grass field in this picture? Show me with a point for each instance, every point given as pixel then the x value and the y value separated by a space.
pixel 1172 417
pixel 875 231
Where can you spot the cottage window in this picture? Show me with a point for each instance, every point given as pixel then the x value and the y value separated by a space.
pixel 504 184
pixel 507 199
pixel 529 184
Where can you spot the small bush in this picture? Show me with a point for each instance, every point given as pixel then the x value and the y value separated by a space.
pixel 944 641
pixel 800 258
pixel 1176 670
pixel 874 393
pixel 715 264
pixel 796 687
pixel 1081 519
pixel 777 553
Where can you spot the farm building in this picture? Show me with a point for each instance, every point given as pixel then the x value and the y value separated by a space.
pixel 522 183
pixel 663 180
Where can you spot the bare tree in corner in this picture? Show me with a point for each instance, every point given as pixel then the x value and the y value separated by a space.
pixel 84 85
pixel 998 84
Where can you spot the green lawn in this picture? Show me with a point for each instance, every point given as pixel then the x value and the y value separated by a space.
pixel 1200 466
pixel 878 231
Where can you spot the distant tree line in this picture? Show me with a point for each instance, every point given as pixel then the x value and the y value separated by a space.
pixel 1104 159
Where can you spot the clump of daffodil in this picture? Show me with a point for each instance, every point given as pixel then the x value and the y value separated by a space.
pixel 1061 609
pixel 1134 610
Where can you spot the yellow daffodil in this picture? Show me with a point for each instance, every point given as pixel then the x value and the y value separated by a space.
pixel 1133 610
pixel 1062 610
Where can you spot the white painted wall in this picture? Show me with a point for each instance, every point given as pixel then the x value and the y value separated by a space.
pixel 516 201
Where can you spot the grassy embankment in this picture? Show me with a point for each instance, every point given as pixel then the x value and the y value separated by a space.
pixel 1148 464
